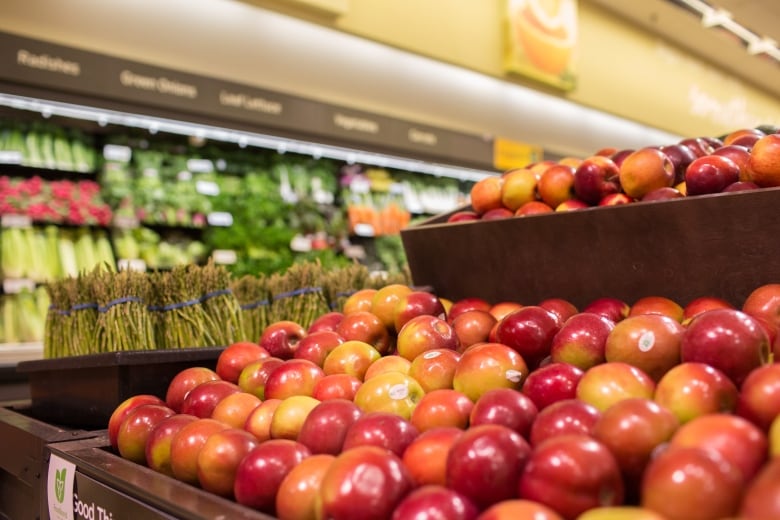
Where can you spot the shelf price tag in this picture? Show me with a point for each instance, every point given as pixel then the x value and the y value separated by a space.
pixel 200 165
pixel 59 488
pixel 118 153
pixel 209 188
pixel 131 264
pixel 220 219
pixel 10 157
pixel 300 244
pixel 17 285
pixel 124 222
pixel 224 256
pixel 15 221
pixel 354 251
pixel 364 230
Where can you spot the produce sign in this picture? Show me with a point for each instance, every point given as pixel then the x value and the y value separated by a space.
pixel 403 404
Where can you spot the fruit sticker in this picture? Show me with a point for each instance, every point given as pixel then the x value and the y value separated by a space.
pixel 540 40
pixel 646 341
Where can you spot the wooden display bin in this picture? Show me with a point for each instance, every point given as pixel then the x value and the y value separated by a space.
pixel 723 245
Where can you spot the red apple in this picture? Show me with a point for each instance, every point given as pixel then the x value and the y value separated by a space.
pixel 582 339
pixel 701 304
pixel 352 357
pixel 533 207
pixel 486 366
pixel 710 174
pixel 571 205
pixel 392 392
pixel 505 406
pixel 384 303
pixel 501 309
pixel 135 429
pixel 619 156
pixel 123 410
pixel 497 214
pixel 611 382
pixel 473 327
pixel 416 303
pixel 201 400
pixel 281 338
pixel 529 331
pixel 289 416
pixel 563 309
pixel 296 498
pixel 426 456
pixel 765 161
pixel 317 345
pixel 762 496
pixel 691 482
pixel 435 502
pixel 485 463
pixel 740 155
pixel 467 304
pixel 326 426
pixel 423 333
pixel 443 407
pixel 347 494
pixel 681 156
pixel 759 396
pixel 552 383
pixel 383 429
pixel 327 322
pixel 519 508
pixel 186 445
pixel 235 357
pixel 293 377
pixel 615 199
pixel 595 178
pixel 219 458
pixel 463 216
pixel 657 305
pixel 571 474
pixel 737 440
pixel 747 135
pixel 693 389
pixel 556 184
pixel 664 193
pixel 698 145
pixel 336 386
pixel 741 186
pixel 645 170
pixel 158 444
pixel 650 342
pixel 359 300
pixel 185 381
pixel 613 308
pixel 764 302
pixel 367 327
pixel 255 375
pixel 261 472
pixel 570 416
pixel 727 339
pixel 258 423
pixel 434 369
pixel 234 409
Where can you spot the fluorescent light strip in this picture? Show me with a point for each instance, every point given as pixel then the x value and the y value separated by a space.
pixel 156 124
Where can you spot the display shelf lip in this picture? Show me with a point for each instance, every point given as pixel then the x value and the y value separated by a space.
pixel 14 353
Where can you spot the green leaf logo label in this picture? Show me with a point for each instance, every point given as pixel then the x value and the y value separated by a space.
pixel 59 484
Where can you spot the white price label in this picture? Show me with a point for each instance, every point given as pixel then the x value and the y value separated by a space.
pixel 220 219
pixel 17 285
pixel 124 222
pixel 300 244
pixel 364 230
pixel 209 188
pixel 224 256
pixel 118 153
pixel 15 221
pixel 200 165
pixel 10 157
pixel 59 488
pixel 356 252
pixel 184 176
pixel 131 264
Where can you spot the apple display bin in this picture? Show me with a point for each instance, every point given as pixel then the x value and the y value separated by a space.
pixel 104 481
pixel 83 391
pixel 722 245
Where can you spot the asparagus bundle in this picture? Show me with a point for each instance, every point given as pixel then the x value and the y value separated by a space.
pixel 124 320
pixel 224 322
pixel 179 315
pixel 253 295
pixel 297 294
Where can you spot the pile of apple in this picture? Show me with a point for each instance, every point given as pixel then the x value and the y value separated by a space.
pixel 405 405
pixel 745 159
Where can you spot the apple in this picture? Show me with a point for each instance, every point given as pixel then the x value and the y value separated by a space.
pixel 632 429
pixel 135 429
pixel 185 381
pixel 693 389
pixel 234 409
pixel 750 135
pixel 467 304
pixel 416 303
pixel 613 308
pixel 426 456
pixel 759 396
pixel 463 216
pixel 261 472
pixel 571 474
pixel 691 482
pixel 497 214
pixel 681 156
pixel 517 187
pixel 505 406
pixel 293 377
pixel 158 444
pixel 595 178
pixel 485 366
pixel 473 327
pixel 201 400
pixel 519 508
pixel 570 416
pixel 701 304
pixel 359 300
pixel 316 346
pixel 391 392
pixel 571 205
pixel 281 338
pixel 326 426
pixel 619 156
pixel 741 186
pixel 615 199
pixel 390 363
pixel 764 161
pixel 123 410
pixel 501 309
pixel 327 322
pixel 710 174
pixel 556 184
pixel 296 498
pixel 186 445
pixel 434 369
pixel 727 339
pixel 486 194
pixel 663 193
pixel 382 429
pixel 529 331
pixel 657 305
pixel 740 155
pixel 258 423
pixel 384 302
pixel 620 513
pixel 219 458
pixel 737 440
pixel 289 416
pixel 611 382
pixel 774 438
pixel 352 357
pixel 764 302
pixel 336 386
pixel 435 502
pixel 348 494
pixel 551 383
pixel 561 308
pixel 645 170
pixel 485 463
pixel 698 145
pixel 423 333
pixel 233 358
pixel 581 340
pixel 443 407
pixel 650 342
pixel 534 207
pixel 254 376
pixel 366 327
pixel 762 495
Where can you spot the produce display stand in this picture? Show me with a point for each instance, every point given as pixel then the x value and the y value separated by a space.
pixel 721 245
